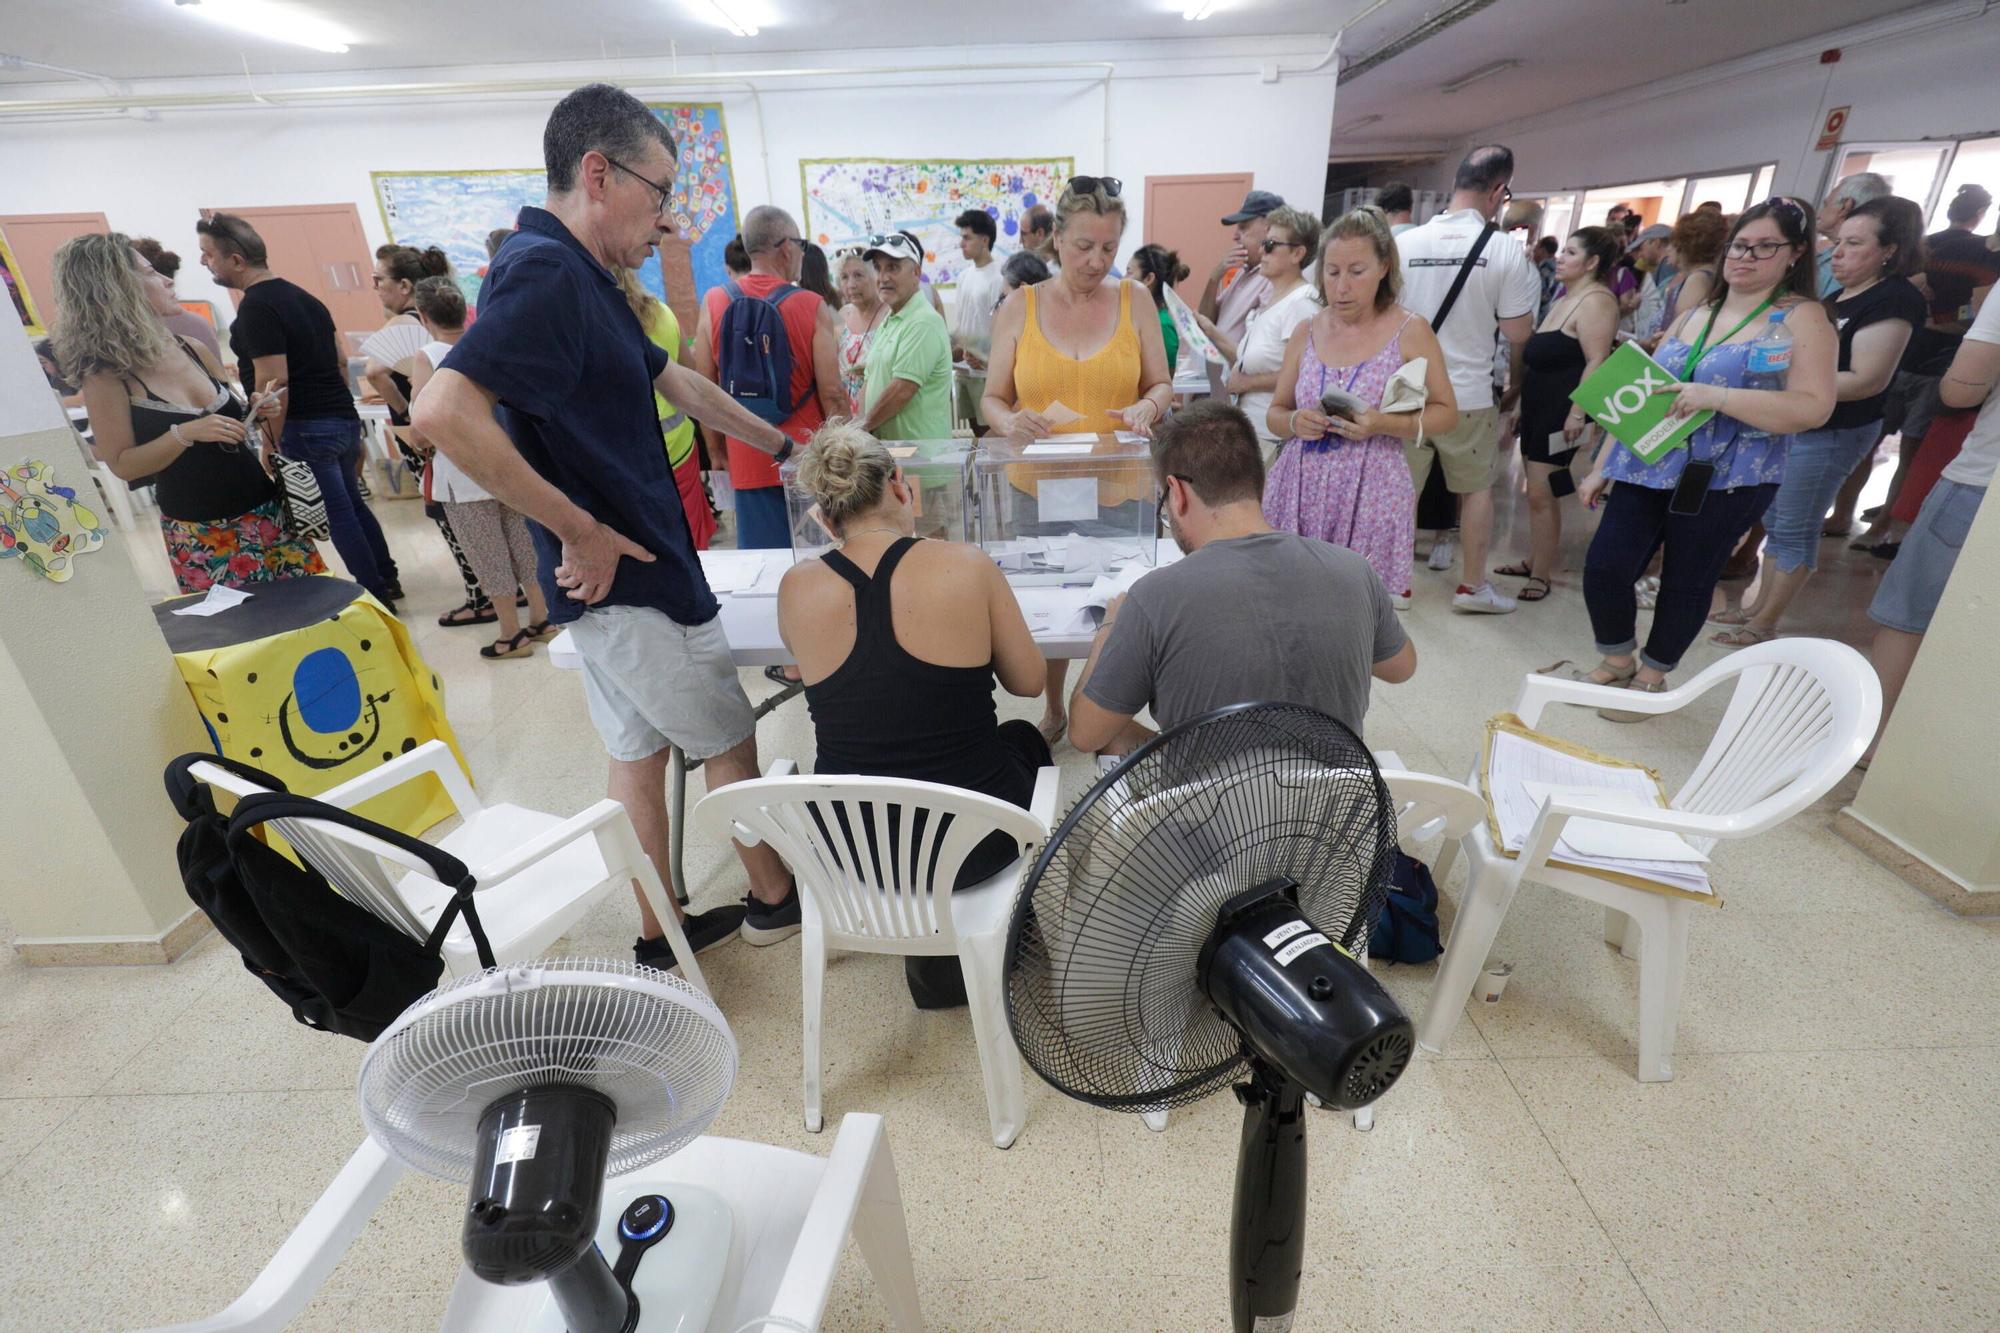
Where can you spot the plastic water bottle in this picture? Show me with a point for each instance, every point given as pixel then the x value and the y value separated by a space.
pixel 1770 358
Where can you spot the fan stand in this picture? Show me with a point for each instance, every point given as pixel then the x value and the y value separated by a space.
pixel 1267 1233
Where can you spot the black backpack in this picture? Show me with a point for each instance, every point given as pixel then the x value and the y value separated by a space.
pixel 338 966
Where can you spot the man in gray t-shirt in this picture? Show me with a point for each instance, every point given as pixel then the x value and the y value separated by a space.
pixel 1251 615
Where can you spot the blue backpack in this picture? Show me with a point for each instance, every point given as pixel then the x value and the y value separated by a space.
pixel 754 354
pixel 1406 929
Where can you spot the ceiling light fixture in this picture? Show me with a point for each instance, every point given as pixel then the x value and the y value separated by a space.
pixel 1198 10
pixel 1464 81
pixel 738 23
pixel 278 23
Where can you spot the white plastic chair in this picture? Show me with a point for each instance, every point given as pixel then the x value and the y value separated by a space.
pixel 1802 713
pixel 537 874
pixel 793 1210
pixel 884 886
pixel 1425 807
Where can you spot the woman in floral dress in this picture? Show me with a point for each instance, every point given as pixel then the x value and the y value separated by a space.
pixel 1340 478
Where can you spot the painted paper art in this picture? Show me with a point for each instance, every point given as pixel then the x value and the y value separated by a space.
pixel 849 198
pixel 455 209
pixel 43 524
pixel 17 294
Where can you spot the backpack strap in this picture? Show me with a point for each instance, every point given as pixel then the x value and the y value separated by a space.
pixel 253 811
pixel 191 797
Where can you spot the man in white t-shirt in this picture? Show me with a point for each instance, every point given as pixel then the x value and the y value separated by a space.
pixel 1909 594
pixel 979 290
pixel 1500 294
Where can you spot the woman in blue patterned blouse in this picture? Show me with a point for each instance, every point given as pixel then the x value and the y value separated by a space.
pixel 1767 274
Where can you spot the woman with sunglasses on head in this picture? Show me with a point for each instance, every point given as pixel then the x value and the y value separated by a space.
pixel 1291 238
pixel 1880 244
pixel 1094 347
pixel 1698 501
pixel 1342 477
pixel 158 409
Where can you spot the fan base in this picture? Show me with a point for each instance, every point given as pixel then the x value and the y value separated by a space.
pixel 680 1283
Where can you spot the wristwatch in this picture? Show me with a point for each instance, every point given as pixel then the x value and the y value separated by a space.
pixel 783 453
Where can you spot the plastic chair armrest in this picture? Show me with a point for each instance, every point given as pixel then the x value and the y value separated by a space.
pixel 781 768
pixel 1042 805
pixel 535 849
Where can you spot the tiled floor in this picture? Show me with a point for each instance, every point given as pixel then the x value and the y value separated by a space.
pixel 1824 1159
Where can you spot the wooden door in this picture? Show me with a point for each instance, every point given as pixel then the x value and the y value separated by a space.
pixel 322 248
pixel 1183 212
pixel 34 239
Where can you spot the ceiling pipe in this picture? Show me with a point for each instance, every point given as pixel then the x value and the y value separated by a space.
pixel 107 83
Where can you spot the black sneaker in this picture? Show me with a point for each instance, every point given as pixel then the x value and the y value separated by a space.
pixel 704 931
pixel 767 923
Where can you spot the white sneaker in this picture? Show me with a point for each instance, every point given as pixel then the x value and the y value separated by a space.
pixel 1443 553
pixel 1400 600
pixel 1485 600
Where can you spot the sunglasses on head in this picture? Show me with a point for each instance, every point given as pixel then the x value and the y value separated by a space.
pixel 1108 186
pixel 1778 203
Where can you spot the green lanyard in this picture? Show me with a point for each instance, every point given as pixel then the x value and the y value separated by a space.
pixel 1701 344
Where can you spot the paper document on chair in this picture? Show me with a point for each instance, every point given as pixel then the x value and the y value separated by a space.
pixel 1597 837
pixel 1523 768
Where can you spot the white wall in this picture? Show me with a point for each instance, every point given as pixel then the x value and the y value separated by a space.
pixel 1935 83
pixel 1165 117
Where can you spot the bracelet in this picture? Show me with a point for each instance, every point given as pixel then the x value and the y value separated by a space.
pixel 175 430
pixel 1292 424
pixel 783 453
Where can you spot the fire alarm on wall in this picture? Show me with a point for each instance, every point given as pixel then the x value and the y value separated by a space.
pixel 1830 56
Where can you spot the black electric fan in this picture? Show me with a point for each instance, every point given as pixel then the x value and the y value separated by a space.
pixel 532 1083
pixel 1195 921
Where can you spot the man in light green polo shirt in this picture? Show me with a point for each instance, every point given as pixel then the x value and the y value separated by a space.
pixel 906 394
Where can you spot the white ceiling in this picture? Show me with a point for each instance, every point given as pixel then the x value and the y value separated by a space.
pixel 1569 50
pixel 133 39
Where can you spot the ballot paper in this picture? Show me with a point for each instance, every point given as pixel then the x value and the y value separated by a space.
pixel 1060 414
pixel 219 599
pixel 1109 586
pixel 1524 768
pixel 1066 499
pixel 1057 446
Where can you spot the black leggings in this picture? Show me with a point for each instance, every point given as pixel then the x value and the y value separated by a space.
pixel 1635 524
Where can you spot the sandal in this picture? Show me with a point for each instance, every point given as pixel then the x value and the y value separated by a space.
pixel 1620 676
pixel 471 613
pixel 1529 592
pixel 1518 570
pixel 542 631
pixel 1748 636
pixel 776 675
pixel 1636 687
pixel 521 645
pixel 1733 616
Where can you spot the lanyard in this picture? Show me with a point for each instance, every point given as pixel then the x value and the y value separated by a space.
pixel 1701 344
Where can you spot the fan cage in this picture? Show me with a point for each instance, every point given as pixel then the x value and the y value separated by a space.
pixel 1103 994
pixel 652 1043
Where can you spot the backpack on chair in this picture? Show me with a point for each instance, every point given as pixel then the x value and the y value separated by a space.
pixel 336 965
pixel 1406 928
pixel 753 354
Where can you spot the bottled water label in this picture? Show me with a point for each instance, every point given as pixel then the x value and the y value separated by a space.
pixel 1769 358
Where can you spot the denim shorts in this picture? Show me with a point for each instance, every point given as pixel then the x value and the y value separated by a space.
pixel 1909 594
pixel 651 681
pixel 1817 462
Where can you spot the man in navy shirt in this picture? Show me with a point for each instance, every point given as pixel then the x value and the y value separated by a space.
pixel 561 357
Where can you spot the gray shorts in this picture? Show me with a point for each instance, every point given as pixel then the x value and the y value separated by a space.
pixel 651 682
pixel 1910 405
pixel 1909 594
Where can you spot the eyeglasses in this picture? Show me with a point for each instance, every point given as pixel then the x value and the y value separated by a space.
pixel 664 192
pixel 1108 186
pixel 1757 249
pixel 1268 244
pixel 1160 519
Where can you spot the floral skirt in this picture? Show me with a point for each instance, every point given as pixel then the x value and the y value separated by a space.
pixel 1354 494
pixel 256 548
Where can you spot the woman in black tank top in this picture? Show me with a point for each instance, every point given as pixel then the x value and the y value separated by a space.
pixel 159 410
pixel 883 710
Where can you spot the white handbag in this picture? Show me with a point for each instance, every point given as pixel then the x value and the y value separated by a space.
pixel 1406 391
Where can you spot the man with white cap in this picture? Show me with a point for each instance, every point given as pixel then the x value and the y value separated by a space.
pixel 1235 286
pixel 906 394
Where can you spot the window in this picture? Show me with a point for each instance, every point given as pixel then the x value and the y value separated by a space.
pixel 1977 162
pixel 1912 169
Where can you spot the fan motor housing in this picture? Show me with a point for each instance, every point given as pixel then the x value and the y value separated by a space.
pixel 1302 1003
pixel 537 1182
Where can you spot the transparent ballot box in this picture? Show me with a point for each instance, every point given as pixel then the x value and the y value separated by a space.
pixel 1068 508
pixel 941 472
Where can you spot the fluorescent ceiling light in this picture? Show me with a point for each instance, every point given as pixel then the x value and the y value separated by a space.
pixel 278 23
pixel 1198 10
pixel 729 12
pixel 1483 72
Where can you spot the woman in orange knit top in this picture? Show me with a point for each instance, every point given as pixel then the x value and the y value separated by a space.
pixel 1076 340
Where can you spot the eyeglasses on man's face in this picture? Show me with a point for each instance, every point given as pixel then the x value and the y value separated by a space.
pixel 1160 519
pixel 663 193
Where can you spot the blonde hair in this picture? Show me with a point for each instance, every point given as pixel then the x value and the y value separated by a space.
pixel 845 470
pixel 1304 228
pixel 637 297
pixel 1366 223
pixel 1076 201
pixel 106 322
